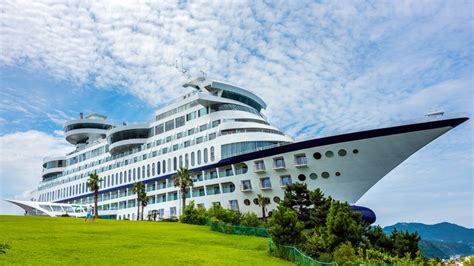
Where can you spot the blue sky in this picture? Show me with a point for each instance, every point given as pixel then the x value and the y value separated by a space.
pixel 338 66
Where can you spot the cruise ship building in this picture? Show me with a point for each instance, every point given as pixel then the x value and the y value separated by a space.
pixel 219 133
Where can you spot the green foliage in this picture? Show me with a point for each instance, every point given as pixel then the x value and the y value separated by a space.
pixel 297 198
pixel 285 227
pixel 345 254
pixel 224 215
pixel 342 225
pixel 250 219
pixel 327 229
pixel 4 247
pixel 404 242
pixel 192 215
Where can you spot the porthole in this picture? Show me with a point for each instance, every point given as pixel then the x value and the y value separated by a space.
pixel 317 155
pixel 342 152
pixel 338 174
pixel 355 151
pixel 255 201
pixel 301 177
pixel 329 154
pixel 247 202
pixel 276 200
pixel 325 174
pixel 313 176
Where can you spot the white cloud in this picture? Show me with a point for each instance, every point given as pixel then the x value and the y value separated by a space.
pixel 21 159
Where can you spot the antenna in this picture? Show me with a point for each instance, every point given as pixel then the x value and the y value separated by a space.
pixel 181 69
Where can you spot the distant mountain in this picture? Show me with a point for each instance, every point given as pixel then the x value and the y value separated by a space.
pixel 440 232
pixel 441 240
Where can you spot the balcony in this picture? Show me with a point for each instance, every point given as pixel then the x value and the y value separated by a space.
pixel 279 164
pixel 301 161
pixel 259 167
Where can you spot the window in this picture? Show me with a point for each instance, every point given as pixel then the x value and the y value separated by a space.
pixel 175 163
pixel 265 183
pixel 246 185
pixel 179 121
pixel 190 131
pixel 342 152
pixel 313 176
pixel 234 205
pixel 175 147
pixel 186 160
pixel 192 159
pixel 300 159
pixel 215 123
pixel 212 154
pixel 199 140
pixel 191 116
pixel 169 138
pixel 329 154
pixel 199 157
pixel 355 151
pixel 169 125
pixel 338 174
pixel 181 161
pixel 276 200
pixel 158 168
pixel 317 155
pixel 169 164
pixel 301 177
pixel 202 112
pixel 187 143
pixel 212 136
pixel 179 135
pixel 259 166
pixel 233 149
pixel 247 202
pixel 172 211
pixel 285 180
pixel 202 127
pixel 205 155
pixel 325 175
pixel 143 171
pixel 153 169
pixel 279 163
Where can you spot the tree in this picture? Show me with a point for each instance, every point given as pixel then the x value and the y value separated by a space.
pixel 297 198
pixel 93 185
pixel 263 202
pixel 345 254
pixel 183 180
pixel 285 227
pixel 143 200
pixel 139 189
pixel 378 239
pixel 404 242
pixel 320 209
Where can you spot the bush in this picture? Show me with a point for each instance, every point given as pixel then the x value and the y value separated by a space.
pixel 250 219
pixel 193 215
pixel 285 227
pixel 224 215
pixel 170 220
pixel 65 215
pixel 345 254
pixel 4 247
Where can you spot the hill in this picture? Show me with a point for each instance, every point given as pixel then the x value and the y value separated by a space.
pixel 64 241
pixel 441 240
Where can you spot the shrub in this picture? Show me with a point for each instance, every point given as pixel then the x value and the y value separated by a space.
pixel 4 247
pixel 285 227
pixel 250 219
pixel 224 215
pixel 170 220
pixel 192 215
pixel 345 254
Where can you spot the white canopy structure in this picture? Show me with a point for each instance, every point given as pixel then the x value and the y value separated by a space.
pixel 37 208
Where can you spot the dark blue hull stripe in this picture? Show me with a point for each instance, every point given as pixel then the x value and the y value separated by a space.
pixel 303 145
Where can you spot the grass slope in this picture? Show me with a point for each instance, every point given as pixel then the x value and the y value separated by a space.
pixel 45 241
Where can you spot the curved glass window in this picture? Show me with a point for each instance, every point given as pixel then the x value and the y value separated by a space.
pixel 205 155
pixel 186 160
pixel 175 163
pixel 213 157
pixel 141 133
pixel 192 159
pixel 241 98
pixel 87 125
pixel 229 107
pixel 181 161
pixel 199 157
pixel 158 168
pixel 233 149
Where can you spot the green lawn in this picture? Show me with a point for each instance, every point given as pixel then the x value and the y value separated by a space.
pixel 42 241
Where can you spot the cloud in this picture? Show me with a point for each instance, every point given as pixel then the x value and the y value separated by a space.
pixel 21 159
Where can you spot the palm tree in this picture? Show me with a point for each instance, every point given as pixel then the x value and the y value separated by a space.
pixel 144 201
pixel 139 189
pixel 93 184
pixel 183 180
pixel 263 202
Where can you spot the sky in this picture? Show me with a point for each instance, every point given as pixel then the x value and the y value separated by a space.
pixel 338 66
